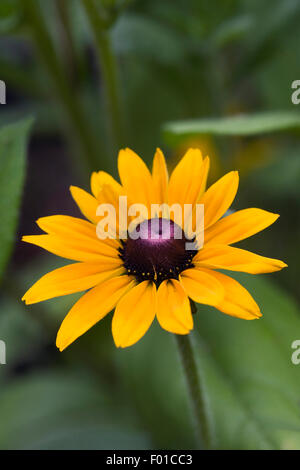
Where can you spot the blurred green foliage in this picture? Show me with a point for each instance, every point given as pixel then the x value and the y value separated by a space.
pixel 145 73
pixel 240 125
pixel 13 142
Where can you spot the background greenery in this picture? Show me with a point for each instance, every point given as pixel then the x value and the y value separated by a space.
pixel 85 77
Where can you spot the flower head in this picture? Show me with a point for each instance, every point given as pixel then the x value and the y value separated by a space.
pixel 160 263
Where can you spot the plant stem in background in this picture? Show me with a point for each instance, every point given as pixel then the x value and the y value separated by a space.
pixel 65 31
pixel 195 390
pixel 71 104
pixel 109 70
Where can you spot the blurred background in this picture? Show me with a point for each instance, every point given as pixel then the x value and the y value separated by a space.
pixel 83 79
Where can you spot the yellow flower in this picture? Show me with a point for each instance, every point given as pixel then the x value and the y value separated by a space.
pixel 143 278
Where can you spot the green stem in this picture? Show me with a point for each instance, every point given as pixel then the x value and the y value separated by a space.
pixel 71 104
pixel 195 390
pixel 109 70
pixel 66 39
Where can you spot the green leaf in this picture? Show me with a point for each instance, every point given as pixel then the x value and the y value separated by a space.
pixel 65 410
pixel 240 125
pixel 13 142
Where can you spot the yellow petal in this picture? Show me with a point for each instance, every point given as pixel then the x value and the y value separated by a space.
pixel 186 179
pixel 69 279
pixel 193 226
pixel 65 226
pixel 237 301
pixel 77 249
pixel 173 308
pixel 134 314
pixel 235 259
pixel 160 177
pixel 240 225
pixel 86 202
pixel 135 177
pixel 202 287
pixel 91 308
pixel 219 197
pixel 110 195
pixel 100 178
pixel 203 177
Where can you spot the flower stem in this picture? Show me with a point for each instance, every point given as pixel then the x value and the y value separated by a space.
pixel 195 391
pixel 100 27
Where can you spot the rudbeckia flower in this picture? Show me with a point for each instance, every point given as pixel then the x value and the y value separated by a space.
pixel 151 276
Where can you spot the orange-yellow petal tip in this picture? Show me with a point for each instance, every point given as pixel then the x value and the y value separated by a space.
pixel 126 150
pixel 278 265
pixel 121 345
pixel 256 314
pixel 26 298
pixel 121 153
pixel 38 222
pixel 275 216
pixel 283 264
pixel 59 344
pixel 73 189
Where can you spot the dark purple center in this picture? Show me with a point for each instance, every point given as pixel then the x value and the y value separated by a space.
pixel 156 250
